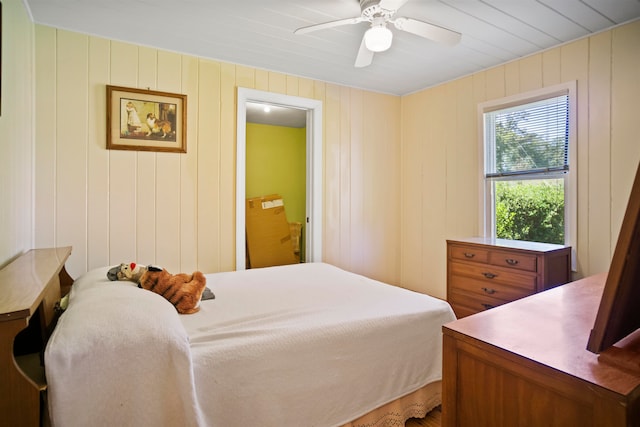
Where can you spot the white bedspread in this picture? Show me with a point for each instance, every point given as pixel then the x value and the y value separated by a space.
pixel 311 345
pixel 119 356
pixel 302 345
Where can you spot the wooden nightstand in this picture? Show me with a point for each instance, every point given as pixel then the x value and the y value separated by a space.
pixel 483 273
pixel 30 287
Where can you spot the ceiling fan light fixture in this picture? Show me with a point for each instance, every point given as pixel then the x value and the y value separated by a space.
pixel 378 38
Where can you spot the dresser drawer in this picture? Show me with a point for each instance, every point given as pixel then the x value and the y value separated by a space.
pixel 482 287
pixel 490 275
pixel 469 253
pixel 514 260
pixel 462 311
pixel 473 302
pixel 484 271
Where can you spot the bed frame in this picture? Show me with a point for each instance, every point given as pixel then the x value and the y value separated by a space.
pixel 30 289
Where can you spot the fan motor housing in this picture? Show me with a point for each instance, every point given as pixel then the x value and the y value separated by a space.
pixel 364 4
pixel 371 9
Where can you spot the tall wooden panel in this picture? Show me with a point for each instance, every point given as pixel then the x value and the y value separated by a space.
pixel 357 211
pixel 169 177
pixel 434 190
pixel 292 85
pixel 245 76
pixel 189 171
pixel 599 185
pixel 305 88
pixel 72 117
pixel 410 187
pixel 530 69
pixel 625 92
pixel 277 82
pixel 227 166
pixel 466 159
pixel 551 67
pixel 146 172
pixel 345 171
pixel 45 141
pixel 331 202
pixel 495 82
pixel 18 113
pixel 208 117
pixel 512 78
pixel 97 157
pixel 261 80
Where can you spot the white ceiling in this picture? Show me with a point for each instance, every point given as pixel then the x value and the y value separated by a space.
pixel 259 33
pixel 275 115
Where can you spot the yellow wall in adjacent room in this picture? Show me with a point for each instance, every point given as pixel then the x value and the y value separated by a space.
pixel 276 164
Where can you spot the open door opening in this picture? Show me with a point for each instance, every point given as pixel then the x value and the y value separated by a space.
pixel 313 221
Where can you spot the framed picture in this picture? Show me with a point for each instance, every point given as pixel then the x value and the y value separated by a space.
pixel 146 120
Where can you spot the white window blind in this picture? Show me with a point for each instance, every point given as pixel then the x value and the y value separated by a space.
pixel 527 139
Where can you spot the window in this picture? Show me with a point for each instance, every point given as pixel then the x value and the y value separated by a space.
pixel 528 181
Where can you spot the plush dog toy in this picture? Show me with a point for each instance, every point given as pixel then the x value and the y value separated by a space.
pixel 184 291
pixel 131 272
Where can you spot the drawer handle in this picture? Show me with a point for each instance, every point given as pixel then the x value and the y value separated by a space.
pixel 469 255
pixel 489 291
pixel 489 275
pixel 487 306
pixel 511 261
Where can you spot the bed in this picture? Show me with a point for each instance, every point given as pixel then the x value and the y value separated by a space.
pixel 304 344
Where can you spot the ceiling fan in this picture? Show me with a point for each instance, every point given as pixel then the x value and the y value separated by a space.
pixel 378 38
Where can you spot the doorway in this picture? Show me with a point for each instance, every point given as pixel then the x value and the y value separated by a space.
pixel 313 226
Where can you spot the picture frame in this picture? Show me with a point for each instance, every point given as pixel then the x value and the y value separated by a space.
pixel 146 120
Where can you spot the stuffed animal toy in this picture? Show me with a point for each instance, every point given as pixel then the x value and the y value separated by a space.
pixel 184 291
pixel 131 272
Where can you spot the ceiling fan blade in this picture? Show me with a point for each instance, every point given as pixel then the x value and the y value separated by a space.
pixel 365 56
pixel 391 4
pixel 428 31
pixel 331 24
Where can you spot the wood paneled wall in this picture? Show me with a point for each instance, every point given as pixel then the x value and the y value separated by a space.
pixel 16 132
pixel 178 210
pixel 441 179
pixel 399 172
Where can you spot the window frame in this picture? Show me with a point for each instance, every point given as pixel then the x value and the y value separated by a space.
pixel 487 198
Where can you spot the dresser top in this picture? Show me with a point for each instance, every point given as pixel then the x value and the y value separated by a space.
pixel 510 244
pixel 550 328
pixel 23 281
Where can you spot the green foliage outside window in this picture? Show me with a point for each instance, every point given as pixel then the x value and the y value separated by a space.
pixel 519 150
pixel 531 139
pixel 531 210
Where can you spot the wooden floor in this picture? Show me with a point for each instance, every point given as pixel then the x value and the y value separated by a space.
pixel 433 419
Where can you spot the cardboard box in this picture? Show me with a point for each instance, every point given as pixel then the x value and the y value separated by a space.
pixel 268 233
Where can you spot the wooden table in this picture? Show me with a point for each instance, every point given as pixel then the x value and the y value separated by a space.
pixel 526 364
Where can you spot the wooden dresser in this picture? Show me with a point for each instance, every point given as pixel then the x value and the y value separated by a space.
pixel 526 364
pixel 30 287
pixel 483 273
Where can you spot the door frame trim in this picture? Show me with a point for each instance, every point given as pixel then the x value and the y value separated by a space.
pixel 313 245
